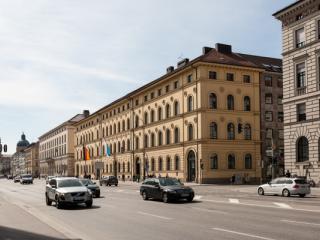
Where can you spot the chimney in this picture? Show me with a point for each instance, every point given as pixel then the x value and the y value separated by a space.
pixel 223 48
pixel 183 62
pixel 170 69
pixel 86 113
pixel 205 50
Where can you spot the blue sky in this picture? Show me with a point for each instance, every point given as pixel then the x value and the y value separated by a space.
pixel 60 57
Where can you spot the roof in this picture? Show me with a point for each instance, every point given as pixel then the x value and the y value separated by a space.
pixel 267 63
pixel 212 56
pixel 287 7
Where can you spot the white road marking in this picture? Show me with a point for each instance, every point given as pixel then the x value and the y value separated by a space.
pixel 233 200
pixel 307 223
pixel 152 215
pixel 242 234
pixel 209 210
pixel 197 197
pixel 282 205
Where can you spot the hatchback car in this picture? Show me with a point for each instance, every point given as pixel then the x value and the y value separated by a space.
pixel 165 189
pixel 108 181
pixel 67 190
pixel 16 179
pixel 26 178
pixel 91 186
pixel 285 187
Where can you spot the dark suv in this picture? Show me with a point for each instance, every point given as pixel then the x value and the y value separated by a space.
pixel 108 181
pixel 166 189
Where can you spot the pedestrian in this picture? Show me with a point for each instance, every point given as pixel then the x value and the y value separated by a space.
pixel 233 179
pixel 288 174
pixel 123 177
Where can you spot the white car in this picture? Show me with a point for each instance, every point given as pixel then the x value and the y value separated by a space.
pixel 285 187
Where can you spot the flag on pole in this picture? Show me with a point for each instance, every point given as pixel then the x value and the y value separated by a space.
pixel 108 152
pixel 86 155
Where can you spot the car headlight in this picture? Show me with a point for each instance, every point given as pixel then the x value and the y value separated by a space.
pixel 89 192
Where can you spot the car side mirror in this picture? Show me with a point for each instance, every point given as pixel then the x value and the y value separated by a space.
pixel 53 186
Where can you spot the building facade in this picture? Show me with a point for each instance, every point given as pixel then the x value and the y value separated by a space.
pixel 32 159
pixel 5 164
pixel 56 149
pixel 301 65
pixel 199 122
pixel 18 163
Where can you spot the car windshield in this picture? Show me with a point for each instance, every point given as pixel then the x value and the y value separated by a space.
pixel 26 176
pixel 86 181
pixel 169 182
pixel 69 183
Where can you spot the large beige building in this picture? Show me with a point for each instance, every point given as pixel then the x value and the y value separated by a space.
pixel 32 159
pixel 301 64
pixel 56 149
pixel 199 122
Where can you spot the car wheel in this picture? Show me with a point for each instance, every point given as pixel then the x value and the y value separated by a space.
pixel 285 193
pixel 116 184
pixel 189 199
pixel 58 203
pixel 48 201
pixel 260 191
pixel 165 198
pixel 144 195
pixel 302 195
pixel 89 204
pixel 98 195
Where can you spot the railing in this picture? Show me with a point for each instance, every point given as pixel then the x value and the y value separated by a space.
pixel 301 91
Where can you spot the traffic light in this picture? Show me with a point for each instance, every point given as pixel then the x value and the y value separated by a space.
pixel 239 127
pixel 5 148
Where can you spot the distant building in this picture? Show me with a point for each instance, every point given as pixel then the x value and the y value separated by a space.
pixel 5 164
pixel 56 148
pixel 32 159
pixel 301 84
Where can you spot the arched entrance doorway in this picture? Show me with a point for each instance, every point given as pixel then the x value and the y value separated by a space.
pixel 138 166
pixel 191 166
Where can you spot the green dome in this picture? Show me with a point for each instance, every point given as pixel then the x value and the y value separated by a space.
pixel 23 142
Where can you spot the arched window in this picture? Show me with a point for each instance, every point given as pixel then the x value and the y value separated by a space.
pixel 152 164
pixel 145 118
pixel 123 167
pixel 190 132
pixel 213 130
pixel 190 104
pixel 177 163
pixel 137 143
pixel 123 125
pixel 176 108
pixel 128 163
pixel 137 121
pixel 168 164
pixel 231 161
pixel 111 149
pixel 111 168
pixel 159 114
pixel 119 167
pixel 114 128
pixel 119 128
pixel 212 101
pixel 107 168
pixel 111 130
pixel 152 140
pixel 152 116
pixel 119 147
pixel 168 111
pixel 160 138
pixel 107 131
pixel 302 149
pixel 230 102
pixel 230 130
pixel 247 132
pixel 176 135
pixel 160 164
pixel 115 147
pixel 214 161
pixel 102 133
pixel 248 161
pixel 128 145
pixel 319 149
pixel 146 141
pixel 128 123
pixel 246 103
pixel 168 136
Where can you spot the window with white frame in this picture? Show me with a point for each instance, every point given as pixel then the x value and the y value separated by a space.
pixel 300 38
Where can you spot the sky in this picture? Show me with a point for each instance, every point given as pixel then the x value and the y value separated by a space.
pixel 59 57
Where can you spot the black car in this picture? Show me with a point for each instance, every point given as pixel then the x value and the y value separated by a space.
pixel 165 189
pixel 91 186
pixel 108 181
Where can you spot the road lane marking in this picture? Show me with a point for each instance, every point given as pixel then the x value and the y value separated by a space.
pixel 152 215
pixel 307 223
pixel 233 200
pixel 209 210
pixel 282 205
pixel 242 234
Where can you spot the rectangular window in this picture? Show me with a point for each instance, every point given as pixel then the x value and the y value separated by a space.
pixel 300 78
pixel 301 112
pixel 159 92
pixel 280 116
pixel 319 35
pixel 189 78
pixel 137 102
pixel 300 38
pixel 146 98
pixel 230 76
pixel 268 81
pixel 167 88
pixel 246 79
pixel 281 134
pixel 268 116
pixel 176 84
pixel 152 95
pixel 269 133
pixel 268 98
pixel 212 75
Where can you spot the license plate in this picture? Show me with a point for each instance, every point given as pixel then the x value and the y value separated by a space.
pixel 185 195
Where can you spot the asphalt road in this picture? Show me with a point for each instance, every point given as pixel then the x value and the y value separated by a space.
pixel 218 212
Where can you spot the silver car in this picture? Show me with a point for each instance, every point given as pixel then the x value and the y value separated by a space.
pixel 67 190
pixel 285 187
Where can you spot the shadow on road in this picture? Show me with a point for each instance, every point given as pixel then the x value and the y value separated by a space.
pixel 7 233
pixel 79 207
